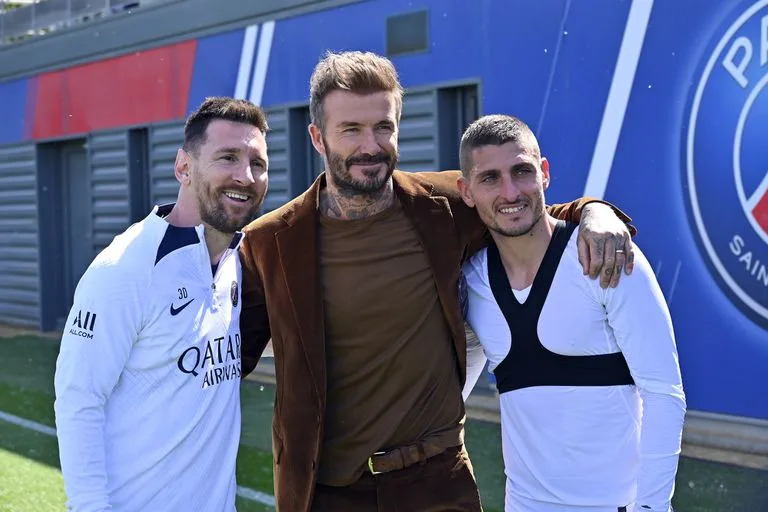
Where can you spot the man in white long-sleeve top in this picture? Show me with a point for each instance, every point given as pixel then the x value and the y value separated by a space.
pixel 592 403
pixel 148 376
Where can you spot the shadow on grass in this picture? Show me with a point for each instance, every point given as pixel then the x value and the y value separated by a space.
pixel 29 444
pixel 27 364
pixel 704 486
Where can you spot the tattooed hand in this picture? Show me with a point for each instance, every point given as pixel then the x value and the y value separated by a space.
pixel 605 246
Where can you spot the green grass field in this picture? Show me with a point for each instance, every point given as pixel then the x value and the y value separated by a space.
pixel 30 480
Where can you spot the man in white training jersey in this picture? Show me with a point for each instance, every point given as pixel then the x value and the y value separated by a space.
pixel 592 403
pixel 148 377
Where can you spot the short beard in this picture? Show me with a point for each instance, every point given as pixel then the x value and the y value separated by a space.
pixel 347 185
pixel 516 232
pixel 214 214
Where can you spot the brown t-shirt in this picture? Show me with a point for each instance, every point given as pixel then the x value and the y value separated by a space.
pixel 392 370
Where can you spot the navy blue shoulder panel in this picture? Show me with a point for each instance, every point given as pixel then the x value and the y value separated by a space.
pixel 176 238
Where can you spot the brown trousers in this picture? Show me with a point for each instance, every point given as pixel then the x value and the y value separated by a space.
pixel 443 483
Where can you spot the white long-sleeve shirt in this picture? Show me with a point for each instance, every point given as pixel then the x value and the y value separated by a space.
pixel 148 376
pixel 582 448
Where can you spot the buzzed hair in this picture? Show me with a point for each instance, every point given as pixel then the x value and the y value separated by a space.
pixel 358 72
pixel 219 107
pixel 493 130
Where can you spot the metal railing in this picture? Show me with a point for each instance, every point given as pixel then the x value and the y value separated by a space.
pixel 45 16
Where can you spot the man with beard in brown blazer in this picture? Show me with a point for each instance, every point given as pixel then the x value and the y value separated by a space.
pixel 356 281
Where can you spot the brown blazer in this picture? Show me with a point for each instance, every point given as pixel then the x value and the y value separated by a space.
pixel 281 300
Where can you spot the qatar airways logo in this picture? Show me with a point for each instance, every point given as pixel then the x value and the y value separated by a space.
pixel 727 160
pixel 218 360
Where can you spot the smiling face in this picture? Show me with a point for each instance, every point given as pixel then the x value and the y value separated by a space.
pixel 227 173
pixel 358 139
pixel 506 184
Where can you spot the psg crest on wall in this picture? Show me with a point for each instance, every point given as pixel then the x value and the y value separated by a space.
pixel 726 157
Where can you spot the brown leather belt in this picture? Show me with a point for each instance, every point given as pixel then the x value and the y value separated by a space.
pixel 401 458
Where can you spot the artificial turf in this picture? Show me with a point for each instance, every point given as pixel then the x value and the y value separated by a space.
pixel 30 479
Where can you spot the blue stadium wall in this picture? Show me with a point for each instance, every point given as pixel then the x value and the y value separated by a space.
pixel 660 107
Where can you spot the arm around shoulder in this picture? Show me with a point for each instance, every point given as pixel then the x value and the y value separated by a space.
pixel 475 360
pixel 573 211
pixel 254 318
pixel 605 247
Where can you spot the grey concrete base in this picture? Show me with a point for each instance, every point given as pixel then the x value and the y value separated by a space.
pixel 725 438
pixel 264 372
pixel 716 437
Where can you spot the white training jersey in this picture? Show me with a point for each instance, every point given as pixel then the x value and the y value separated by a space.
pixel 148 376
pixel 585 448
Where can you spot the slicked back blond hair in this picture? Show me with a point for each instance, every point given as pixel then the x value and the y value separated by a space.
pixel 358 72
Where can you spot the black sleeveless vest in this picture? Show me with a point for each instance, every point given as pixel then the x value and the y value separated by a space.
pixel 529 363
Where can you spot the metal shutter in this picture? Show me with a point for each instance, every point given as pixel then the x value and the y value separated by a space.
pixel 279 191
pixel 418 132
pixel 164 141
pixel 19 254
pixel 108 157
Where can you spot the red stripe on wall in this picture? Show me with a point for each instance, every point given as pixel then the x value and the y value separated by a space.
pixel 132 89
pixel 760 211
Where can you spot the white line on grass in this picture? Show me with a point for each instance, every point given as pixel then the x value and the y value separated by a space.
pixel 31 425
pixel 261 497
pixel 243 492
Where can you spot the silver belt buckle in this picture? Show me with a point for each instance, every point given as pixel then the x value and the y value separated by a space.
pixel 370 463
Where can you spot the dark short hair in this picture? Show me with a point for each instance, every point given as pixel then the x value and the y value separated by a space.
pixel 358 72
pixel 218 107
pixel 492 130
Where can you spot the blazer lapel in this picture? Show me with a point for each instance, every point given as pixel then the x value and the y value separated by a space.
pixel 299 252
